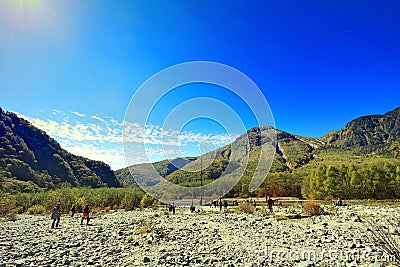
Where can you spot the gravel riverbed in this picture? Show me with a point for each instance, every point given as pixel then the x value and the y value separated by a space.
pixel 207 238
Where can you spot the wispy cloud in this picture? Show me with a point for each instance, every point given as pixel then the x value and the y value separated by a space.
pixel 56 111
pixel 78 114
pixel 96 117
pixel 101 138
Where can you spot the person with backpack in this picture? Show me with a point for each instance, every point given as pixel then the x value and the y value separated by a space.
pixel 85 214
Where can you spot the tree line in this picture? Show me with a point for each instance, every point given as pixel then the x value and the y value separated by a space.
pixel 98 198
pixel 375 181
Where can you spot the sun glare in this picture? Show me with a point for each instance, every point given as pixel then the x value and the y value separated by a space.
pixel 27 14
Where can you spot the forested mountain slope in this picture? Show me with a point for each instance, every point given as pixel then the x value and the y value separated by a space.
pixel 30 159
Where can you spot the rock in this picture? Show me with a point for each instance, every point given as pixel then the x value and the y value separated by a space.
pixel 305 264
pixel 146 259
pixel 19 263
pixel 166 255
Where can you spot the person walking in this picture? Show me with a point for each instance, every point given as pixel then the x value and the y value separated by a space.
pixel 270 203
pixel 56 215
pixel 73 210
pixel 85 214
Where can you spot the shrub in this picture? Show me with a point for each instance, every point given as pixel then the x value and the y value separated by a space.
pixel 36 210
pixel 385 235
pixel 245 208
pixel 7 204
pixel 273 190
pixel 12 216
pixel 312 208
pixel 131 200
pixel 147 201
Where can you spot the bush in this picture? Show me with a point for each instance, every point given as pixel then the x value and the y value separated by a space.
pixel 7 204
pixel 147 201
pixel 12 216
pixel 131 200
pixel 36 210
pixel 385 235
pixel 245 208
pixel 312 208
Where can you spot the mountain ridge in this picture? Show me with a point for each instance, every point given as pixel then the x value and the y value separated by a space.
pixel 29 158
pixel 376 134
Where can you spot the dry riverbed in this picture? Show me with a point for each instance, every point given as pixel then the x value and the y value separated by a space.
pixel 208 238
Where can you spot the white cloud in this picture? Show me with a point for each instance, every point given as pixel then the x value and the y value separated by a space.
pixel 101 138
pixel 111 156
pixel 56 111
pixel 78 114
pixel 96 117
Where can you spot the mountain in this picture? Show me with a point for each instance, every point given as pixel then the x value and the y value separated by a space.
pixel 369 140
pixel 292 152
pixel 30 159
pixel 370 133
pixel 164 168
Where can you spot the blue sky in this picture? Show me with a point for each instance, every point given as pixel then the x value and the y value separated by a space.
pixel 318 63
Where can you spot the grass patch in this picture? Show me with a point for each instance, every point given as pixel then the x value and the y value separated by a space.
pixel 143 230
pixel 281 217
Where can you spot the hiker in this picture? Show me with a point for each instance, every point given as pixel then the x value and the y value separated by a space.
pixel 73 210
pixel 85 214
pixel 56 215
pixel 220 204
pixel 339 202
pixel 270 203
pixel 172 208
pixel 254 204
pixel 225 204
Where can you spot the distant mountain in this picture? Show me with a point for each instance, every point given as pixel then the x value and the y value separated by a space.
pixel 372 133
pixel 144 170
pixel 30 159
pixel 296 156
pixel 292 151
